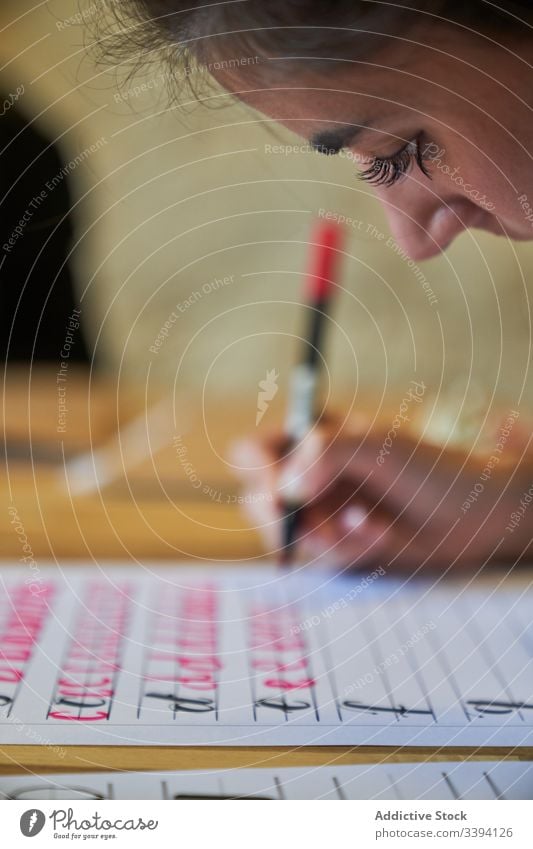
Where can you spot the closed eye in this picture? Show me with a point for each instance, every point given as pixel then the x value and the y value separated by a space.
pixel 388 170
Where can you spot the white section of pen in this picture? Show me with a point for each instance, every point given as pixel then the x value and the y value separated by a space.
pixel 302 392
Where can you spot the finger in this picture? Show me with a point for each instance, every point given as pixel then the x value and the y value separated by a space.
pixel 355 537
pixel 302 471
pixel 250 457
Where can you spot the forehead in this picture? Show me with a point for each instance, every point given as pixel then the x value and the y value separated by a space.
pixel 345 96
pixel 332 111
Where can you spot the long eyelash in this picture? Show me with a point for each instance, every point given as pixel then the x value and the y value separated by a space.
pixel 385 171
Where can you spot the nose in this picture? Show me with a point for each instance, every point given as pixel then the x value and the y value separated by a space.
pixel 424 224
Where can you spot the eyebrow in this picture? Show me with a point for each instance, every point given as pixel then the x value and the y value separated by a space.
pixel 331 142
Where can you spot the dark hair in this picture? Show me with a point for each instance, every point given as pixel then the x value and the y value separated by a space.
pixel 201 32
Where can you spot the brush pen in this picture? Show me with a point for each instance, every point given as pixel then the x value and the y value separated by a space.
pixel 301 413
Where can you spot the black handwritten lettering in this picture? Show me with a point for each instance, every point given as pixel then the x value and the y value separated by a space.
pixel 186 705
pixel 374 709
pixel 81 703
pixel 494 706
pixel 282 704
pixel 197 796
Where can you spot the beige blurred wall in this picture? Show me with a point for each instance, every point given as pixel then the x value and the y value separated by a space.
pixel 194 218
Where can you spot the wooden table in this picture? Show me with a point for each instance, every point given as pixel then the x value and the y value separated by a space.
pixel 154 510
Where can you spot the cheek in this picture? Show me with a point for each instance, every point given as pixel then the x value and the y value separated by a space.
pixel 485 182
pixel 503 186
pixel 491 171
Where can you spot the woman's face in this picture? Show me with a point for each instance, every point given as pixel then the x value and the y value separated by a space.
pixel 459 104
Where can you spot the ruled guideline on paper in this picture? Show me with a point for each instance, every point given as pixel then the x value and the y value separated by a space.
pixel 446 781
pixel 185 656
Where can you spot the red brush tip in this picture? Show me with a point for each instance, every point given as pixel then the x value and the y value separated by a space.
pixel 326 243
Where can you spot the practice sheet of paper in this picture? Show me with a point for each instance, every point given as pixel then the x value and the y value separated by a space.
pixel 446 781
pixel 131 655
